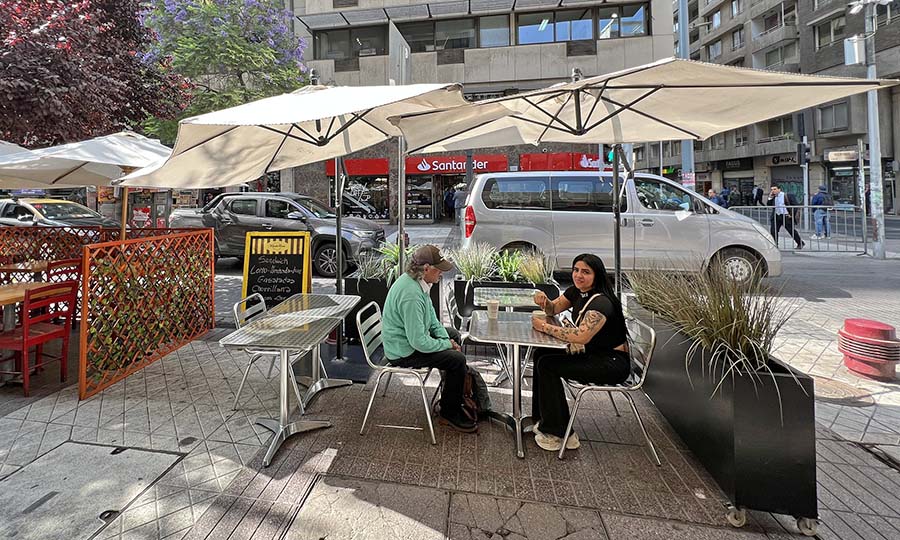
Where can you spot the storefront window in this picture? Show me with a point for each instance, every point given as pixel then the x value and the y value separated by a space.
pixel 493 31
pixel 459 34
pixel 419 201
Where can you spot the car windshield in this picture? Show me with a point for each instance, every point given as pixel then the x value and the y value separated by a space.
pixel 61 210
pixel 318 209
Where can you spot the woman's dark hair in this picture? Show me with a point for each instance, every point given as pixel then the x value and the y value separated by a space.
pixel 601 279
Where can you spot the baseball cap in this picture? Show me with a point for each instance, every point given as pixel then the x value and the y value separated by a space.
pixel 429 254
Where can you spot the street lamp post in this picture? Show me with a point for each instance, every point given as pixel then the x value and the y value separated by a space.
pixel 684 51
pixel 875 182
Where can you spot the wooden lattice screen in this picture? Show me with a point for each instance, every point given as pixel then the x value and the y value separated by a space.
pixel 143 299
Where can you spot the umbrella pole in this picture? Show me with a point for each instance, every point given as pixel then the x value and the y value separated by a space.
pixel 401 204
pixel 339 173
pixel 124 212
pixel 617 235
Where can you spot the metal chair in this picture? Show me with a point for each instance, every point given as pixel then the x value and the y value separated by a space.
pixel 641 355
pixel 368 322
pixel 244 311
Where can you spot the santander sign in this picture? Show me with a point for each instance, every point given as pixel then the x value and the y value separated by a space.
pixel 455 164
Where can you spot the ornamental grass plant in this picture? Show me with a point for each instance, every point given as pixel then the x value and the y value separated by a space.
pixel 535 268
pixel 476 262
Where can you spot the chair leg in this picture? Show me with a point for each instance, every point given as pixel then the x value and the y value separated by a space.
pixel 437 390
pixel 26 372
pixel 243 380
pixel 271 366
pixel 386 384
pixel 611 400
pixel 64 360
pixel 322 370
pixel 644 430
pixel 371 400
pixel 571 423
pixel 427 411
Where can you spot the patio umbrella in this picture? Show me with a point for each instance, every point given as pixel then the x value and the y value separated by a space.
pixel 312 124
pixel 671 99
pixel 92 162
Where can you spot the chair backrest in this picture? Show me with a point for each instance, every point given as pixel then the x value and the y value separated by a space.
pixel 456 320
pixel 64 270
pixel 368 324
pixel 51 301
pixel 248 309
pixel 642 343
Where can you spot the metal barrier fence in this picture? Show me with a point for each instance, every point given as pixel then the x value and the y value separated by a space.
pixel 819 228
pixel 143 299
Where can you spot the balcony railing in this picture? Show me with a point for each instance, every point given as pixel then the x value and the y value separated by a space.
pixel 782 137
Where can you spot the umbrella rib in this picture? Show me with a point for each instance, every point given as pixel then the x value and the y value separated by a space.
pixel 621 107
pixel 330 125
pixel 310 140
pixel 655 119
pixel 217 135
pixel 67 173
pixel 596 102
pixel 277 150
pixel 373 126
pixel 554 117
pixel 442 139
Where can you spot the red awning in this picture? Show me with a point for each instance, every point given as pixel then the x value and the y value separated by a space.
pixel 362 167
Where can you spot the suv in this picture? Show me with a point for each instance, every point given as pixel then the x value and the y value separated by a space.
pixel 562 214
pixel 51 213
pixel 233 215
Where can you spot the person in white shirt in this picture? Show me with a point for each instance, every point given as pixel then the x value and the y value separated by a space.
pixel 782 215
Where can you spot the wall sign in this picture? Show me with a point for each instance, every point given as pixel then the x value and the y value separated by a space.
pixel 277 265
pixel 784 159
pixel 738 164
pixel 456 164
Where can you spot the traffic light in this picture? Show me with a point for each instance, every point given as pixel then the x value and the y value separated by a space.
pixel 802 153
pixel 607 154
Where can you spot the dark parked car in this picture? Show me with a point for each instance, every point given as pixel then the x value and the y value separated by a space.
pixel 233 215
pixel 51 213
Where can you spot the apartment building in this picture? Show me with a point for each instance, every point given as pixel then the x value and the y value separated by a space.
pixel 797 36
pixel 493 47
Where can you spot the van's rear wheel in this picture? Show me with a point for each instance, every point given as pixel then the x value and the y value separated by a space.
pixel 739 264
pixel 521 247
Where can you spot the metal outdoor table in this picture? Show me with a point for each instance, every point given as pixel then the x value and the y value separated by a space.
pixel 508 297
pixel 300 323
pixel 513 329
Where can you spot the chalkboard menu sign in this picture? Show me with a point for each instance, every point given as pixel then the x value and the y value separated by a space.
pixel 277 265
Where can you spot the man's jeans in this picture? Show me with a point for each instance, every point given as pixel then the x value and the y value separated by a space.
pixel 452 364
pixel 823 228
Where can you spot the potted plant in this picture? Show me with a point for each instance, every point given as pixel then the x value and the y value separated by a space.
pixel 747 416
pixel 481 265
pixel 374 274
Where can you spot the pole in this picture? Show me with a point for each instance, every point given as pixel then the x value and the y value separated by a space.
pixel 875 182
pixel 861 158
pixel 339 173
pixel 122 236
pixel 805 166
pixel 617 236
pixel 660 159
pixel 401 203
pixel 684 51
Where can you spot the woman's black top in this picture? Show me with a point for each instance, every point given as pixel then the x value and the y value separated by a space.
pixel 613 332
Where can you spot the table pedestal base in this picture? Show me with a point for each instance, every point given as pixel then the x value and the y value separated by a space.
pixel 282 432
pixel 518 426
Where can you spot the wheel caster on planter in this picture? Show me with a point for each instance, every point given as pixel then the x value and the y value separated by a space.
pixel 737 517
pixel 807 526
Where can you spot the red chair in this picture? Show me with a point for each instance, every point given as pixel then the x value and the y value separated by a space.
pixel 54 301
pixel 64 270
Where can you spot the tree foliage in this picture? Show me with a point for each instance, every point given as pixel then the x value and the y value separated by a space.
pixel 233 51
pixel 72 69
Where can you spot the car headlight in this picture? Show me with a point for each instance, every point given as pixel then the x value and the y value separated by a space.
pixel 363 234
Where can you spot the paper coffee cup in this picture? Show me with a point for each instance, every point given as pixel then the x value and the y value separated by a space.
pixel 493 308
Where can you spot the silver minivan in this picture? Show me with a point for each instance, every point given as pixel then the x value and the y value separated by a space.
pixel 564 213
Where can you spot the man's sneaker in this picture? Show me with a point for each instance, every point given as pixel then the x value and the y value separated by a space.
pixel 572 444
pixel 816 237
pixel 458 422
pixel 550 443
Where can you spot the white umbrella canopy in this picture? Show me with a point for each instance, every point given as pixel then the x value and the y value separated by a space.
pixel 93 162
pixel 671 99
pixel 314 123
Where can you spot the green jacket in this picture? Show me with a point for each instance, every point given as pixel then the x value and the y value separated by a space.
pixel 409 323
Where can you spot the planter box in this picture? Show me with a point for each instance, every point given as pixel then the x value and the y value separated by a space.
pixel 761 451
pixel 376 290
pixel 464 291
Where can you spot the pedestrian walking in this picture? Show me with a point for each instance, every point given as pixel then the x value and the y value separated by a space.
pixel 821 201
pixel 717 199
pixel 734 198
pixel 757 196
pixel 783 214
pixel 723 195
pixel 459 202
pixel 449 204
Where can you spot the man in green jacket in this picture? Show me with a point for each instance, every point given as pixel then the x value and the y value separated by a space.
pixel 414 337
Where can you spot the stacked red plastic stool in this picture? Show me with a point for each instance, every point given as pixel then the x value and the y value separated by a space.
pixel 870 348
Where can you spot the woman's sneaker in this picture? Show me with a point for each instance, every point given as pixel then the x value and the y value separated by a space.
pixel 548 440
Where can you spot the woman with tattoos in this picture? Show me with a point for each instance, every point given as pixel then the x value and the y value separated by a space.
pixel 598 350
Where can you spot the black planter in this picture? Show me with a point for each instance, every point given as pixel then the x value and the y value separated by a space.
pixel 757 440
pixel 464 291
pixel 376 290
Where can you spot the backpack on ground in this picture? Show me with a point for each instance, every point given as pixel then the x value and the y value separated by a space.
pixel 476 402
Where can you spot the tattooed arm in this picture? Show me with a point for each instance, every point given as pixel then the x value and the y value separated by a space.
pixel 551 307
pixel 592 322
